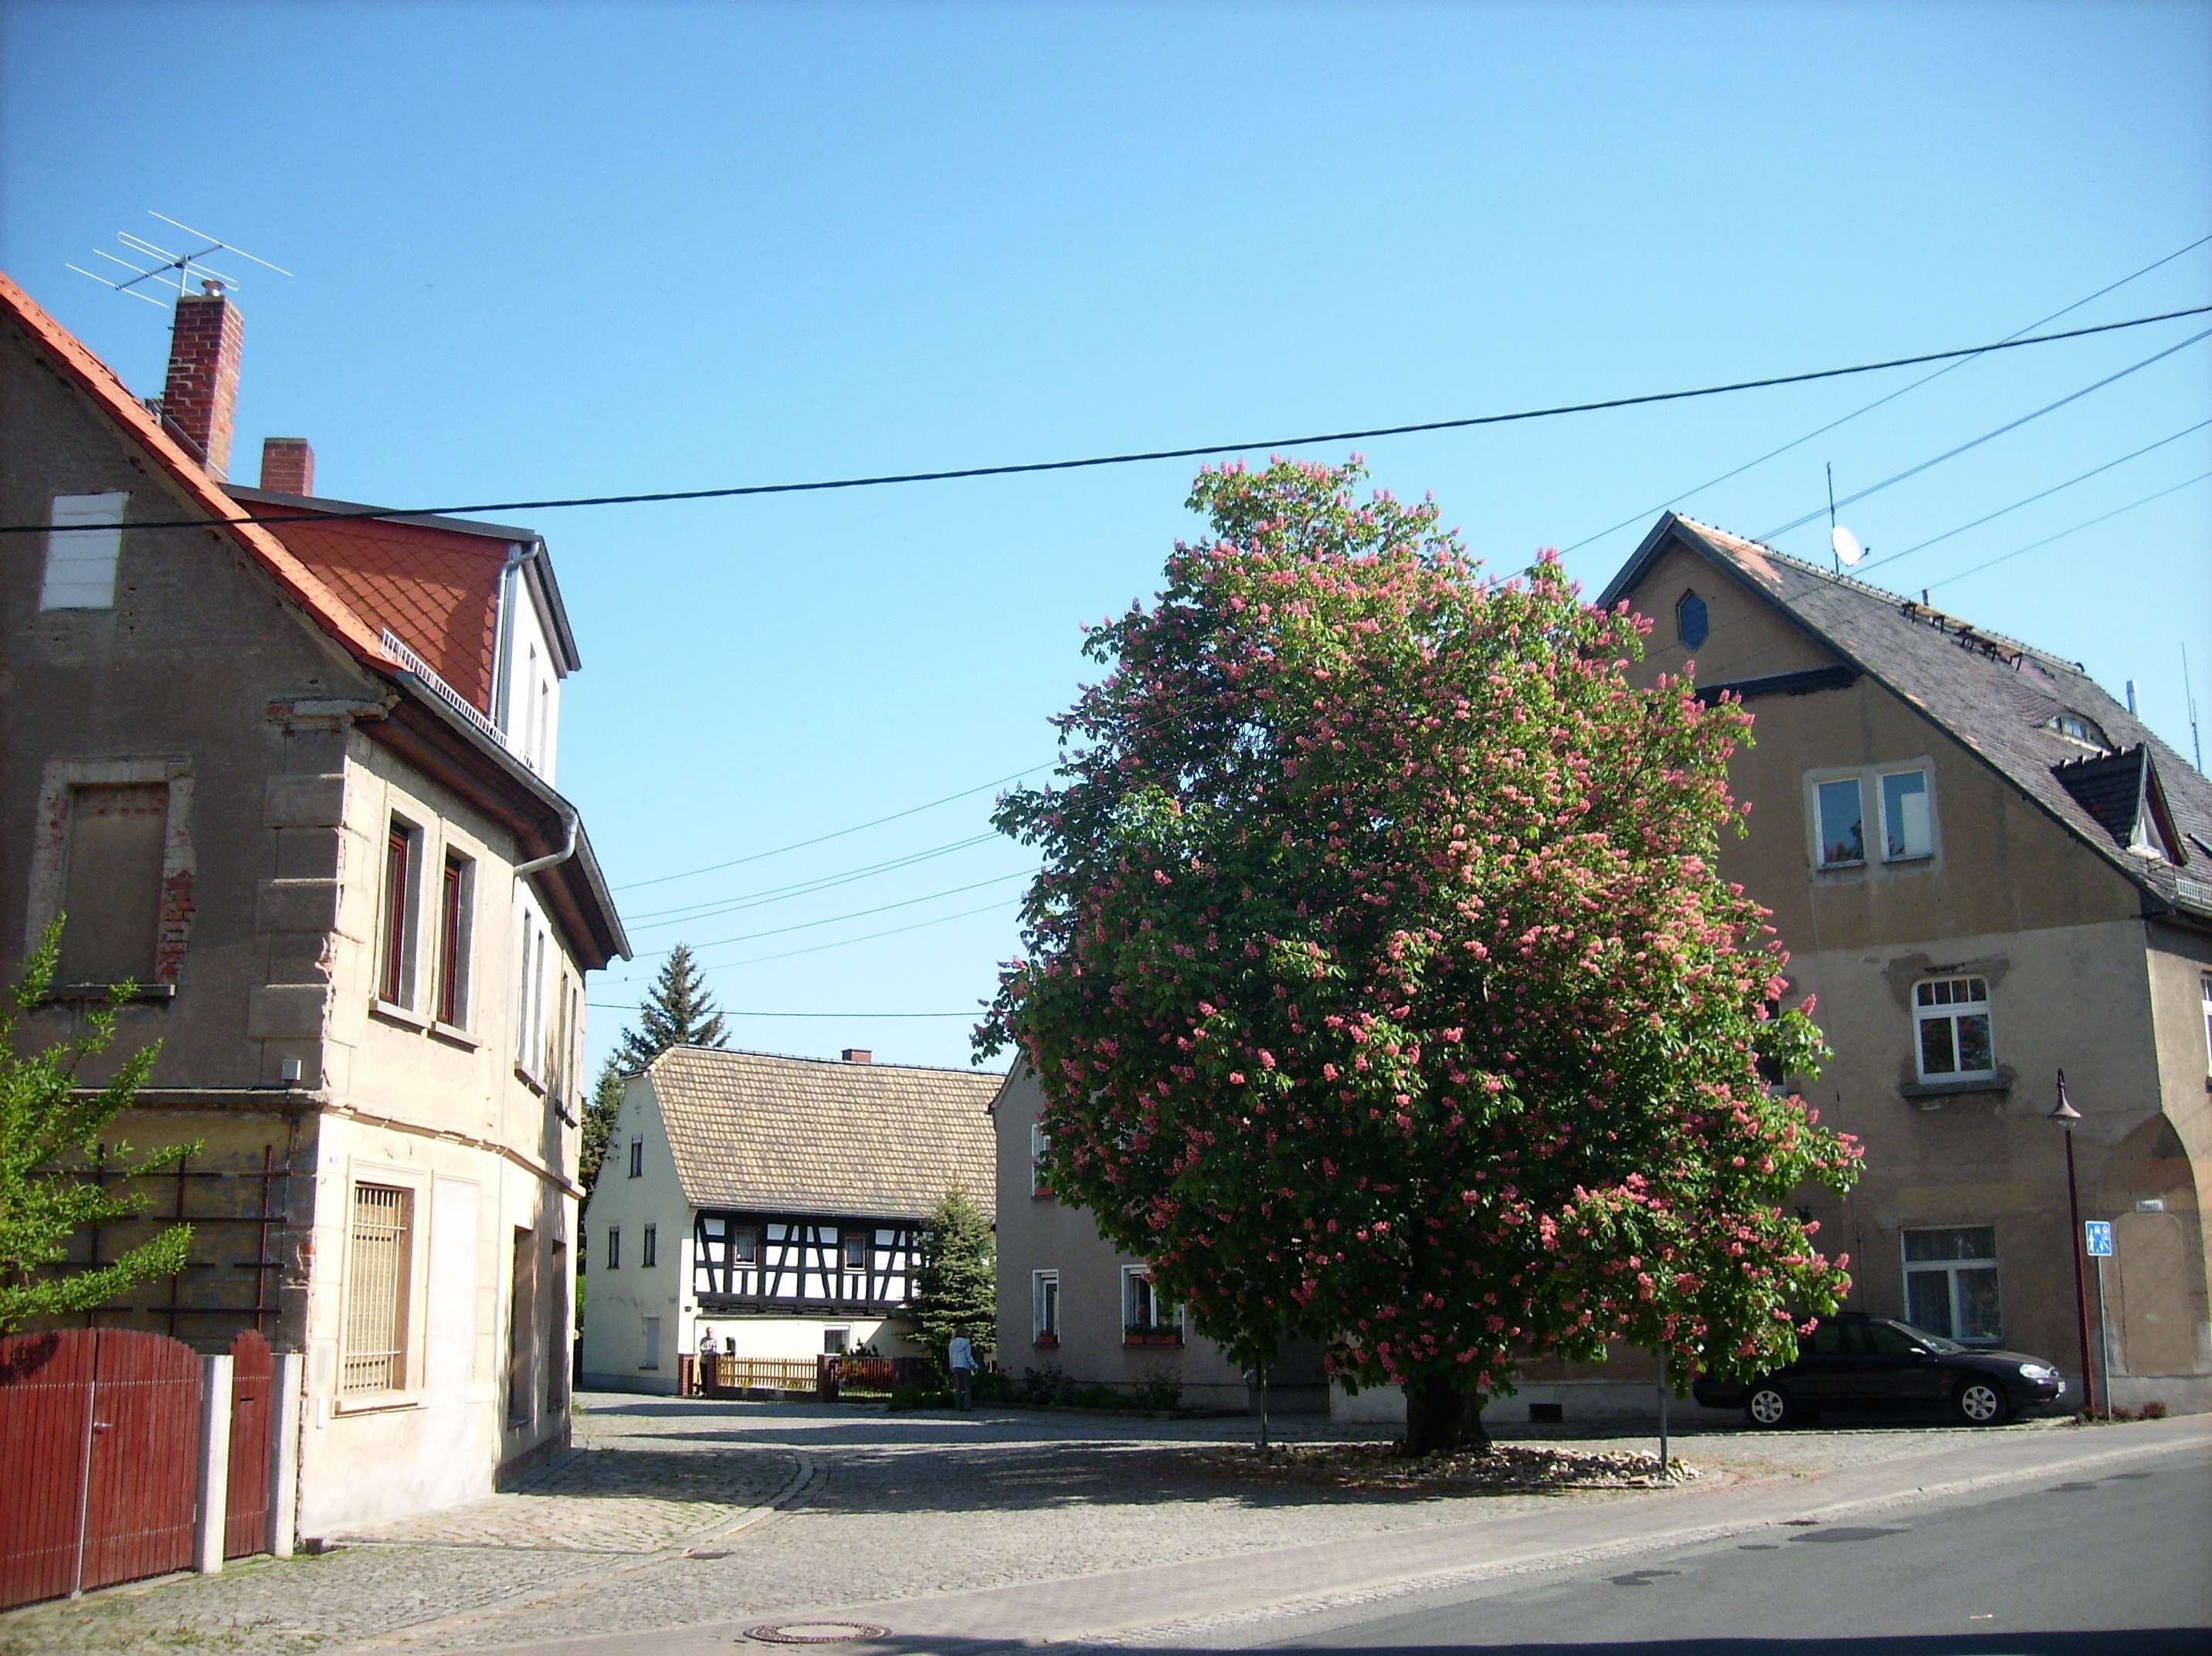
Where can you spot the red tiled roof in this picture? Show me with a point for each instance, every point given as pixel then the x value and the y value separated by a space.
pixel 98 381
pixel 438 589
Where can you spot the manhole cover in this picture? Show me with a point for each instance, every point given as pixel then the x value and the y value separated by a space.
pixel 815 1632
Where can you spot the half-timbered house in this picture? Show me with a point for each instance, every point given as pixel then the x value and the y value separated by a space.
pixel 771 1205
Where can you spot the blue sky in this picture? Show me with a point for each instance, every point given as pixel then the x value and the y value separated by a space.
pixel 546 251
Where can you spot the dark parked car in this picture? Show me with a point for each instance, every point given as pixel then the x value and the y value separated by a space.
pixel 1852 1361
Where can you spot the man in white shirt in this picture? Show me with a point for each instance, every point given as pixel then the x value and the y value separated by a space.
pixel 960 1357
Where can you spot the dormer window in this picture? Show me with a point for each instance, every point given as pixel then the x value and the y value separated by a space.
pixel 2076 728
pixel 1690 624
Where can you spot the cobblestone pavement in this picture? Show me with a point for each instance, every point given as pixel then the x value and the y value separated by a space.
pixel 885 1507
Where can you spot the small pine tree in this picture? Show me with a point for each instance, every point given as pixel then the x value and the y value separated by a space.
pixel 676 1012
pixel 600 1123
pixel 47 1129
pixel 955 1276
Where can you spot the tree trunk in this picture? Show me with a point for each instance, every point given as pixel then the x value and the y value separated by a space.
pixel 1441 1418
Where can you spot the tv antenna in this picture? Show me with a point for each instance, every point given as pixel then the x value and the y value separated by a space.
pixel 1841 541
pixel 170 268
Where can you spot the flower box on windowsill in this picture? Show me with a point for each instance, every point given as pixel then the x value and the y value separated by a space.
pixel 1046 1341
pixel 1151 1336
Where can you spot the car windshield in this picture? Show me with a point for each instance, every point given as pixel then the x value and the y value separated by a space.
pixel 1935 1342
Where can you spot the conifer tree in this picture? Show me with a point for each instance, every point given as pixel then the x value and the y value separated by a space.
pixel 600 1123
pixel 677 1012
pixel 955 1276
pixel 48 1129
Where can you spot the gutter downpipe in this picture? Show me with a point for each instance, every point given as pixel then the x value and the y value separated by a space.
pixel 538 865
pixel 509 575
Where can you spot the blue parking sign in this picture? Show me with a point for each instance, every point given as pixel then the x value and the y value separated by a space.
pixel 2097 1238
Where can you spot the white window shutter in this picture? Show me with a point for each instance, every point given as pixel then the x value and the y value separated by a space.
pixel 80 558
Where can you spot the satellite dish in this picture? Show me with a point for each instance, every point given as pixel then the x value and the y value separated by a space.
pixel 1846 544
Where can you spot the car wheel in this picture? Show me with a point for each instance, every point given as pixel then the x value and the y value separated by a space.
pixel 1769 1406
pixel 1981 1403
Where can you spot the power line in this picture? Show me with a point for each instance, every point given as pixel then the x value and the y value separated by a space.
pixel 819 839
pixel 2106 517
pixel 708 911
pixel 1868 408
pixel 2030 500
pixel 1194 452
pixel 617 1005
pixel 857 914
pixel 1976 442
pixel 865 937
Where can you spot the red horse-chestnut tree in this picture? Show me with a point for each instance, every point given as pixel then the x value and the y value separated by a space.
pixel 1379 979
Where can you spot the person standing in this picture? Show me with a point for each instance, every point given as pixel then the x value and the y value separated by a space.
pixel 960 1357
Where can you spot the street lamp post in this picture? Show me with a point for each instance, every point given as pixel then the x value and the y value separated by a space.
pixel 2066 1115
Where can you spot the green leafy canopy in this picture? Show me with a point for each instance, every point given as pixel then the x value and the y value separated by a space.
pixel 50 1131
pixel 1379 980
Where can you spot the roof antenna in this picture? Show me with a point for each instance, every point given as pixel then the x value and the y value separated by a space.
pixel 1841 541
pixel 2189 692
pixel 171 269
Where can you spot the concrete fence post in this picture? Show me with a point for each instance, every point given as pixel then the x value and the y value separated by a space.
pixel 215 1466
pixel 284 1454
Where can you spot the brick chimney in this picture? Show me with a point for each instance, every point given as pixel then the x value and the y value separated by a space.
pixel 201 399
pixel 858 1055
pixel 287 465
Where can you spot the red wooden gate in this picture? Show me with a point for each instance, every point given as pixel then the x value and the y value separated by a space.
pixel 100 1432
pixel 253 1416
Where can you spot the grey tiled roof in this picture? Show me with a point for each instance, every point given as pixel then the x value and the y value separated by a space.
pixel 870 1141
pixel 1994 694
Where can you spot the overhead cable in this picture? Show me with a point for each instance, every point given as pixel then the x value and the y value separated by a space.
pixel 1868 408
pixel 2030 500
pixel 1976 442
pixel 1195 451
pixel 839 833
pixel 2106 518
pixel 664 918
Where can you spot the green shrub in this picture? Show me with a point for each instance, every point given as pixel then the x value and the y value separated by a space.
pixel 1095 1396
pixel 920 1397
pixel 1155 1392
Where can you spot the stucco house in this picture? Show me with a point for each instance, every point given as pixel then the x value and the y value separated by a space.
pixel 1070 1301
pixel 771 1205
pixel 297 782
pixel 1989 870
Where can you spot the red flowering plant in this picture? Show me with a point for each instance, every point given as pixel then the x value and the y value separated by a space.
pixel 1379 980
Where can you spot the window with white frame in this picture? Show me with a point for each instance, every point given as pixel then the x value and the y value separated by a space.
pixel 380 1247
pixel 1951 1283
pixel 836 1341
pixel 403 857
pixel 1951 1029
pixel 1908 830
pixel 1044 1306
pixel 614 1247
pixel 637 1158
pixel 649 1250
pixel 83 547
pixel 1146 1313
pixel 1040 1146
pixel 1840 821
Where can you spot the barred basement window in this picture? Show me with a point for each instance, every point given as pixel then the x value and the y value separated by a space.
pixel 375 1354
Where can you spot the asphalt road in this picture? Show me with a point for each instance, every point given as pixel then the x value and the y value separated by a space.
pixel 2121 1563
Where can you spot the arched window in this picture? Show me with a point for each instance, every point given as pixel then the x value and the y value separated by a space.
pixel 1689 625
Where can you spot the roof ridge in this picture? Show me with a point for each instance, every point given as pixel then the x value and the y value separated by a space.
pixel 841 1064
pixel 1904 599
